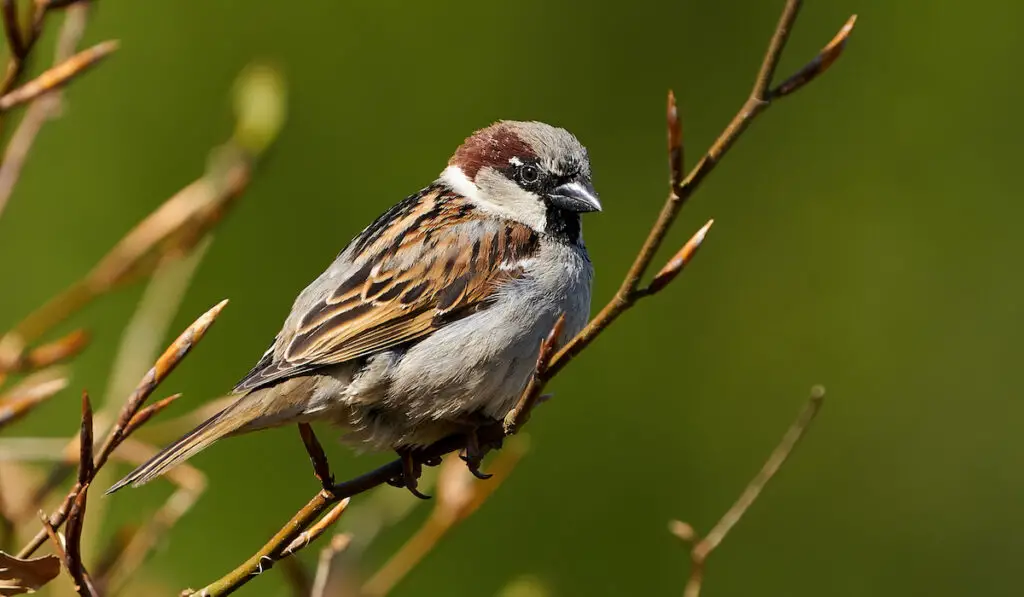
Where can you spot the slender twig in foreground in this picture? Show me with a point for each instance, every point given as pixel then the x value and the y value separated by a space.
pixel 521 411
pixel 325 564
pixel 42 109
pixel 76 517
pixel 174 229
pixel 139 346
pixel 759 100
pixel 628 294
pixel 189 213
pixel 181 346
pixel 58 76
pixel 13 29
pixel 701 548
pixel 30 393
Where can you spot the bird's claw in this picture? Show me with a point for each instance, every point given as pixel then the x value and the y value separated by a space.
pixel 473 455
pixel 411 471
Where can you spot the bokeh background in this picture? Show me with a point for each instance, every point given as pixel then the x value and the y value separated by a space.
pixel 867 238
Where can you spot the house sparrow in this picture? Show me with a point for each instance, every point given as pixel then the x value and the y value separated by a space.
pixel 431 319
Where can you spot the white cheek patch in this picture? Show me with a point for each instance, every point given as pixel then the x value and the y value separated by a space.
pixel 455 178
pixel 495 194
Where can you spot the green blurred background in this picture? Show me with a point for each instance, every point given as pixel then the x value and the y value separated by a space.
pixel 866 238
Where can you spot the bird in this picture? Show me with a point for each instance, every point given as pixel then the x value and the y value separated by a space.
pixel 429 322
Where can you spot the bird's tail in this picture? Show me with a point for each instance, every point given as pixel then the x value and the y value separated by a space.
pixel 230 420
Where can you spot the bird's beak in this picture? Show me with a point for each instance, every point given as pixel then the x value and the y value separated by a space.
pixel 577 196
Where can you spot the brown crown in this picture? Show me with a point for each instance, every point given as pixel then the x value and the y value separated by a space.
pixel 492 147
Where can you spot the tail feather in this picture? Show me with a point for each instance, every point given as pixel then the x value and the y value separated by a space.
pixel 219 425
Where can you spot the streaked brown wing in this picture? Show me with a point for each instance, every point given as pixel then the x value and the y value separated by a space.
pixel 433 261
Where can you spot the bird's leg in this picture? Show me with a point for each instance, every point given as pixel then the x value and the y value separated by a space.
pixel 411 471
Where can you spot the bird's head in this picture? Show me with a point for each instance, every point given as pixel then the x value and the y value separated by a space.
pixel 529 172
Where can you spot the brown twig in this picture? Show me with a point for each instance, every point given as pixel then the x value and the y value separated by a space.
pixel 318 528
pixel 62 548
pixel 76 567
pixel 317 457
pixel 12 29
pixel 140 344
pixel 170 232
pixel 630 291
pixel 173 229
pixel 58 76
pixel 76 517
pixel 521 411
pixel 30 393
pixel 178 349
pixel 702 548
pixel 147 413
pixel 325 565
pixel 757 103
pixel 43 109
pixel 54 352
pixel 163 367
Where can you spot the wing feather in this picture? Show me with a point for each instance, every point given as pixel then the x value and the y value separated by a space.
pixel 433 260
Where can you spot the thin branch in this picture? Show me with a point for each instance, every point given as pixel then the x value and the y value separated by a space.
pixel 819 64
pixel 43 109
pixel 175 228
pixel 702 548
pixel 325 564
pixel 163 367
pixel 12 29
pixel 766 74
pixel 85 442
pixel 76 517
pixel 58 76
pixel 676 161
pixel 140 344
pixel 30 393
pixel 178 349
pixel 678 261
pixel 519 414
pixel 316 529
pixel 54 352
pixel 76 567
pixel 755 105
pixel 317 457
pixel 147 413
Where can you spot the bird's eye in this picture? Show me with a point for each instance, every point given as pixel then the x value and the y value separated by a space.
pixel 528 173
